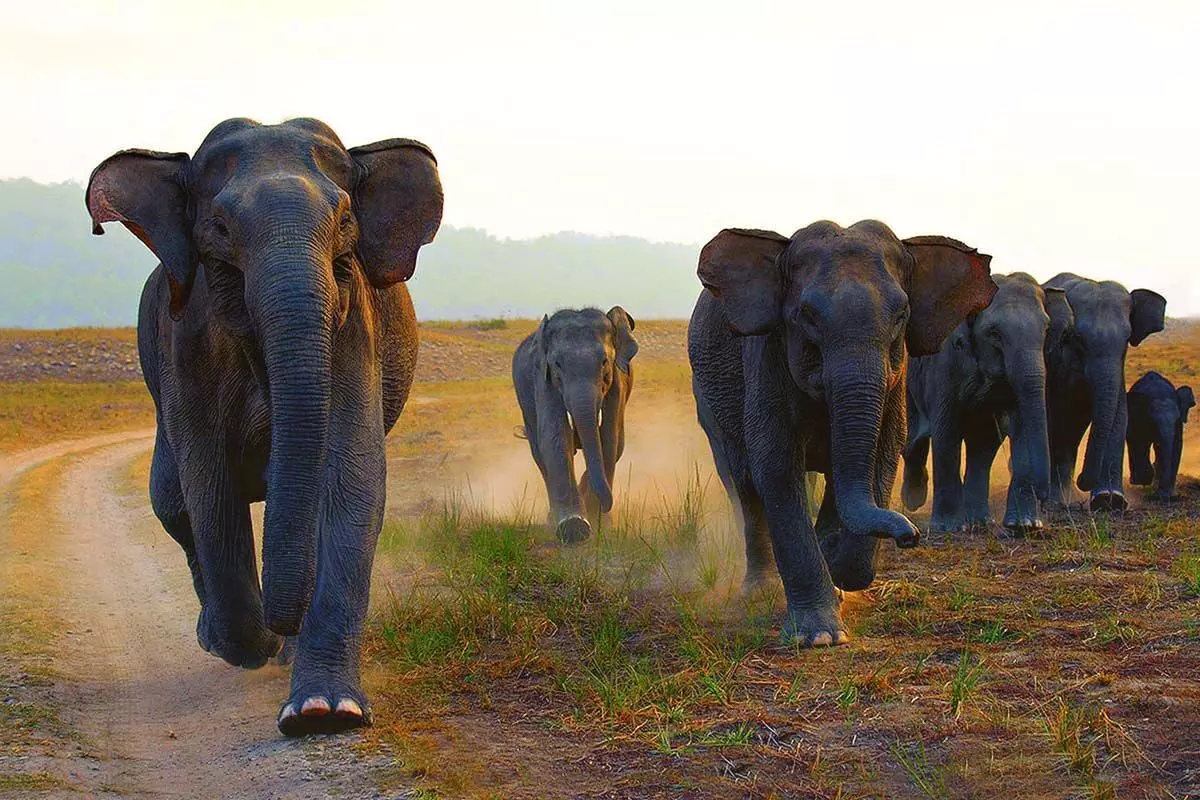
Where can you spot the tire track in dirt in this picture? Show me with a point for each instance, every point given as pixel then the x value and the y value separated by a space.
pixel 159 716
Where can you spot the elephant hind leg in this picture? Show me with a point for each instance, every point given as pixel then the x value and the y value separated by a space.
pixel 760 556
pixel 166 498
pixel 914 491
pixel 729 457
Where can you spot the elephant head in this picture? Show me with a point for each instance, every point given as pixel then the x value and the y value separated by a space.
pixel 1007 340
pixel 847 304
pixel 1104 320
pixel 583 351
pixel 282 223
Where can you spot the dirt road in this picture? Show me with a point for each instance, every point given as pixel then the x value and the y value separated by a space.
pixel 152 714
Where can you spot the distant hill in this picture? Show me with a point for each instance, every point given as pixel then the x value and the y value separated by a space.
pixel 56 274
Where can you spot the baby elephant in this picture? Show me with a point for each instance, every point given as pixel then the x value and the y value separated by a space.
pixel 1157 412
pixel 573 377
pixel 987 382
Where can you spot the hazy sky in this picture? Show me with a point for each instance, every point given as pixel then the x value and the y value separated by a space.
pixel 1055 135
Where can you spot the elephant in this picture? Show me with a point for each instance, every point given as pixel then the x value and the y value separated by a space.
pixel 1157 413
pixel 797 347
pixel 987 381
pixel 278 342
pixel 573 376
pixel 1085 380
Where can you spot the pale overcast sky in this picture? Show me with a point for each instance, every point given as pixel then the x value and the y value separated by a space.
pixel 1055 135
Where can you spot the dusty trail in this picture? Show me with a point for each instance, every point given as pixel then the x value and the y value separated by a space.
pixel 158 716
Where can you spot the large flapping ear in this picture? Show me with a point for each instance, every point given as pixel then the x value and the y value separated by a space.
pixel 739 266
pixel 948 281
pixel 1147 314
pixel 398 205
pixel 1186 401
pixel 144 190
pixel 1062 317
pixel 626 345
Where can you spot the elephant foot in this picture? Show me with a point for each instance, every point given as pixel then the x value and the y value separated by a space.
pixel 818 627
pixel 322 713
pixel 979 521
pixel 1109 500
pixel 914 491
pixel 757 579
pixel 947 523
pixel 1023 524
pixel 1164 497
pixel 248 646
pixel 573 530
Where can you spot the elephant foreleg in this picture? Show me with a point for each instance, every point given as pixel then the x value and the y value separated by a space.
pixel 1021 514
pixel 326 692
pixel 555 442
pixel 814 615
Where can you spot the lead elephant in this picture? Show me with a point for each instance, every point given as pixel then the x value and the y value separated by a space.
pixel 1157 413
pixel 988 381
pixel 1085 370
pixel 278 341
pixel 573 377
pixel 797 348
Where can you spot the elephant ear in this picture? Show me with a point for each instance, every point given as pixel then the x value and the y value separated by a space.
pixel 948 281
pixel 739 266
pixel 144 191
pixel 1147 314
pixel 1186 401
pixel 1062 317
pixel 398 205
pixel 626 345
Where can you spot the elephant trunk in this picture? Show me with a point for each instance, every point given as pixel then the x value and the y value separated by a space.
pixel 855 391
pixel 1107 380
pixel 584 407
pixel 295 323
pixel 1027 376
pixel 1167 454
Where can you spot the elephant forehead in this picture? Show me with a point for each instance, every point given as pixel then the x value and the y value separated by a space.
pixel 269 149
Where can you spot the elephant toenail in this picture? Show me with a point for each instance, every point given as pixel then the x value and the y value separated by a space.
pixel 348 708
pixel 288 712
pixel 841 638
pixel 822 639
pixel 315 707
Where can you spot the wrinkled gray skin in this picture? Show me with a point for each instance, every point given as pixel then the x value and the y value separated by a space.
pixel 987 381
pixel 278 342
pixel 1085 372
pixel 573 377
pixel 798 351
pixel 1157 413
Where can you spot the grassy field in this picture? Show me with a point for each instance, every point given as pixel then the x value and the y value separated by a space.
pixel 503 665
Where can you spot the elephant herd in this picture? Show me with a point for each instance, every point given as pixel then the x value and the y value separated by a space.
pixel 278 341
pixel 842 350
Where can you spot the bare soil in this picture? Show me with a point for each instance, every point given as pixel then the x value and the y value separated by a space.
pixel 148 713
